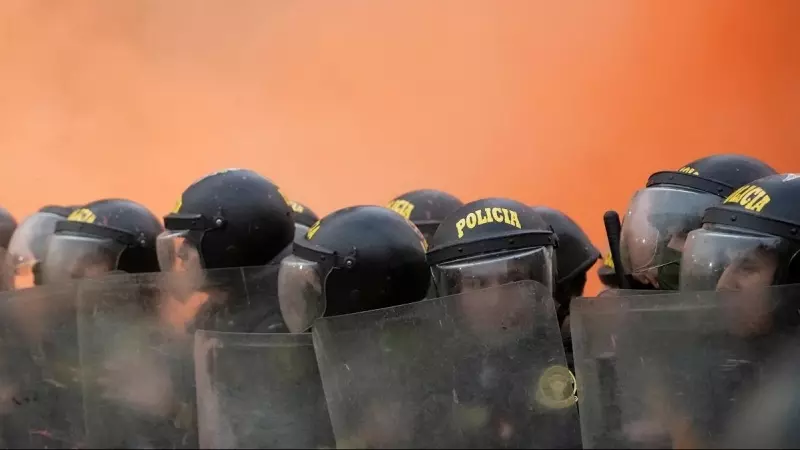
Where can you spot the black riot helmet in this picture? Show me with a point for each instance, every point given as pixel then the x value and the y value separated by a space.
pixel 575 255
pixel 750 240
pixel 355 259
pixel 425 208
pixel 491 242
pixel 232 218
pixel 101 237
pixel 661 215
pixel 28 244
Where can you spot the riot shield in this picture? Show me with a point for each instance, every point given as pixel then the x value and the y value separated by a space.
pixel 259 391
pixel 483 369
pixel 136 335
pixel 672 370
pixel 39 387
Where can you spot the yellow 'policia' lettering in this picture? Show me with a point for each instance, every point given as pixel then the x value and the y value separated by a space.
pixel 402 207
pixel 313 230
pixel 689 170
pixel 608 261
pixel 487 215
pixel 82 215
pixel 296 207
pixel 751 198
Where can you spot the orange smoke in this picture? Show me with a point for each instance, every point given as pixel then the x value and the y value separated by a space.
pixel 569 104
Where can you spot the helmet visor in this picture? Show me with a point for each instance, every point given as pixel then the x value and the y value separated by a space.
pixel 176 253
pixel 300 293
pixel 71 257
pixel 28 246
pixel 724 259
pixel 655 228
pixel 494 270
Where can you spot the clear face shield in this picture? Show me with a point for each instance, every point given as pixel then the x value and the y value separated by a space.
pixel 177 254
pixel 655 229
pixel 724 258
pixel 71 257
pixel 485 271
pixel 486 311
pixel 28 247
pixel 300 291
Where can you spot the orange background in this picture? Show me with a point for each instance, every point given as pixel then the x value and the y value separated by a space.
pixel 570 104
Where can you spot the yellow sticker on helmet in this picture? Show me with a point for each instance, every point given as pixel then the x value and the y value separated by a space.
pixel 689 170
pixel 296 207
pixel 557 388
pixel 177 208
pixel 82 215
pixel 313 230
pixel 608 261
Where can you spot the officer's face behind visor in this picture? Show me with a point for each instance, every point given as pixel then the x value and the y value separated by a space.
pixel 177 253
pixel 73 256
pixel 300 291
pixel 28 247
pixel 655 229
pixel 725 258
pixel 484 271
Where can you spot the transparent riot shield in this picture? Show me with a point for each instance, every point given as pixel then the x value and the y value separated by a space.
pixel 483 369
pixel 259 391
pixel 40 393
pixel 136 335
pixel 674 370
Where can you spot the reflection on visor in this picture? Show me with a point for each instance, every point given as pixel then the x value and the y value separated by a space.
pixel 494 270
pixel 300 293
pixel 176 253
pixel 72 257
pixel 654 232
pixel 715 259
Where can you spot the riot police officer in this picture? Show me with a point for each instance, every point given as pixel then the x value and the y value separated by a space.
pixel 101 237
pixel 661 215
pixel 355 259
pixel 749 241
pixel 224 230
pixel 491 242
pixel 425 208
